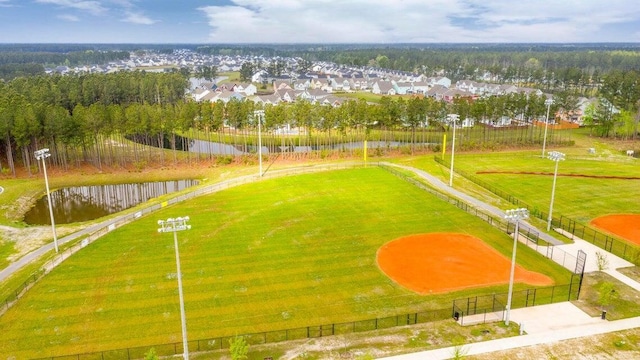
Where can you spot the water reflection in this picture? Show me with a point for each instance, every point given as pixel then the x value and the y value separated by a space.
pixel 83 203
pixel 214 148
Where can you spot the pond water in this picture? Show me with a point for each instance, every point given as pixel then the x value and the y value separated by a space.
pixel 84 203
pixel 214 148
pixel 217 148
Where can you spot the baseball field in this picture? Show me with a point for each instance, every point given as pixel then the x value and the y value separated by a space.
pixel 276 254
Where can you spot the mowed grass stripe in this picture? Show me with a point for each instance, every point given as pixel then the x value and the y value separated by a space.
pixel 276 254
pixel 579 198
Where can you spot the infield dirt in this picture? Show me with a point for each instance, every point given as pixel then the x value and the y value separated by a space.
pixel 443 262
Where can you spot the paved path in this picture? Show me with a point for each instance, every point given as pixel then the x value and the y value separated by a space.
pixel 593 326
pixel 27 259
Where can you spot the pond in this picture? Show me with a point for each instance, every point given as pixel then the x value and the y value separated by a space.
pixel 214 148
pixel 84 203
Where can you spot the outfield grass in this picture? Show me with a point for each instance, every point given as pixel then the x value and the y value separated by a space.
pixel 276 254
pixel 580 198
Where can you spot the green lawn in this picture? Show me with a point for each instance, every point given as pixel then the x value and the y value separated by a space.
pixel 580 198
pixel 276 254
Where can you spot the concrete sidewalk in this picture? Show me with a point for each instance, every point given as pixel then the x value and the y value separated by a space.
pixel 542 324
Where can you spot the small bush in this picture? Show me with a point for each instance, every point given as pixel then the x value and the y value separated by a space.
pixel 224 160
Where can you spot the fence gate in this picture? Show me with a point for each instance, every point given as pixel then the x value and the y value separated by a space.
pixel 472 305
pixel 581 261
pixel 531 297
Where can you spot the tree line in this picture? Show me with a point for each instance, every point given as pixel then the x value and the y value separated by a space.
pixel 20 63
pixel 88 118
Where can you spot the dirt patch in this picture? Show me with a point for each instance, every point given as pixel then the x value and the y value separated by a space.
pixel 624 225
pixel 559 174
pixel 26 240
pixel 443 262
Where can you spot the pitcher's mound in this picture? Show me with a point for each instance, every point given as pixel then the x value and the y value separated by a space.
pixel 444 262
pixel 623 225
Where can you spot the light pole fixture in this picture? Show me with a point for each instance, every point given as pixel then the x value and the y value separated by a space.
pixel 174 225
pixel 513 215
pixel 547 102
pixel 42 154
pixel 453 118
pixel 557 157
pixel 259 114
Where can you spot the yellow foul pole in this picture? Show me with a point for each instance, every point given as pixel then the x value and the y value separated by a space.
pixel 444 145
pixel 365 152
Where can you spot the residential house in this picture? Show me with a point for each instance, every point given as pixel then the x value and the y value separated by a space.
pixel 452 94
pixel 468 86
pixel 281 84
pixel 286 95
pixel 382 87
pixel 331 100
pixel 467 122
pixel 246 89
pixel 199 93
pixel 225 96
pixel 402 88
pixel 440 80
pixel 301 84
pixel 530 91
pixel 272 99
pixel 437 92
pixel 420 87
pixel 506 89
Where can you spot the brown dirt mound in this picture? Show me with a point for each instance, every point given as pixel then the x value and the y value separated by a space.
pixel 444 262
pixel 623 225
pixel 559 174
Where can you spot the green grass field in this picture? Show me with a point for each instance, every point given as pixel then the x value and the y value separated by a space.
pixel 580 198
pixel 272 255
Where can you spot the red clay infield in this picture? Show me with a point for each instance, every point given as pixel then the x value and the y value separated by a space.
pixel 623 225
pixel 444 262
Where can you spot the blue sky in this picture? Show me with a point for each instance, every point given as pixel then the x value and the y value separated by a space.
pixel 318 21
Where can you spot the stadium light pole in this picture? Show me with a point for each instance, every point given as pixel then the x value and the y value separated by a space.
pixel 557 157
pixel 547 102
pixel 259 114
pixel 454 118
pixel 515 215
pixel 174 225
pixel 42 154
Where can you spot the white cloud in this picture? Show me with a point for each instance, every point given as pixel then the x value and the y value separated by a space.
pixel 93 7
pixel 68 17
pixel 5 3
pixel 384 21
pixel 136 18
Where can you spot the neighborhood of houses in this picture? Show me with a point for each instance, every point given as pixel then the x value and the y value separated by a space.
pixel 322 83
